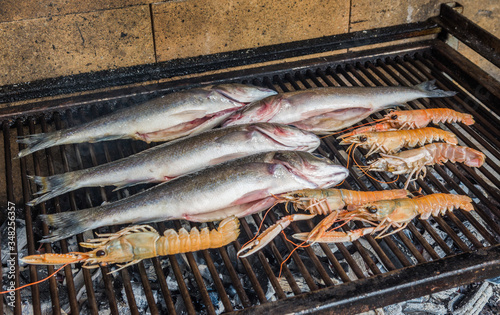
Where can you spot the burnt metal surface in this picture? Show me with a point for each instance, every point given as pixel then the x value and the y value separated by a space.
pixel 480 40
pixel 460 247
pixel 378 290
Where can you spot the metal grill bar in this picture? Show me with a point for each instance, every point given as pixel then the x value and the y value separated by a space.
pixel 35 292
pixel 10 195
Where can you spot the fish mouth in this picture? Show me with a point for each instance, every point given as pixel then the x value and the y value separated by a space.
pixel 336 177
pixel 320 172
pixel 289 138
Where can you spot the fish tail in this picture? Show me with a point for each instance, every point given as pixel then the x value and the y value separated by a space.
pixel 66 224
pixel 52 186
pixel 38 142
pixel 430 89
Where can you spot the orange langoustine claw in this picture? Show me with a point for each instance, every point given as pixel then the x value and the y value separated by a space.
pixel 317 201
pixel 135 243
pixel 396 213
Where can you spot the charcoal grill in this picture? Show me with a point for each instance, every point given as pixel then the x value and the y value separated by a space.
pixel 444 252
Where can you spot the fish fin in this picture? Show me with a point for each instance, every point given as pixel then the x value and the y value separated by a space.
pixel 52 186
pixel 38 142
pixel 66 224
pixel 227 157
pixel 251 196
pixel 429 87
pixel 119 186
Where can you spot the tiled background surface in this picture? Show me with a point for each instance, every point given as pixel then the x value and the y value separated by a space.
pixel 50 38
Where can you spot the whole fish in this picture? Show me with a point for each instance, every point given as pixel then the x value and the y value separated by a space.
pixel 245 185
pixel 172 159
pixel 322 110
pixel 164 118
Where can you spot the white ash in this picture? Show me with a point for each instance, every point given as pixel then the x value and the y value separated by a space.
pixel 140 297
pixel 270 293
pixel 21 237
pixel 427 308
pixel 373 253
pixel 479 298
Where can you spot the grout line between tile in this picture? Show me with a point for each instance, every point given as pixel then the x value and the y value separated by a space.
pixel 153 30
pixel 349 21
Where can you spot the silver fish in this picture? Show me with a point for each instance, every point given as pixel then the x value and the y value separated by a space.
pixel 322 110
pixel 161 119
pixel 173 159
pixel 207 194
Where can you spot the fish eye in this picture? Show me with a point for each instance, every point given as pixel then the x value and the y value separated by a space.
pixel 100 253
pixel 372 209
pixel 363 138
pixel 394 117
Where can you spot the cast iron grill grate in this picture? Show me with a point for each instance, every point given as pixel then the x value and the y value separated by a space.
pixel 213 281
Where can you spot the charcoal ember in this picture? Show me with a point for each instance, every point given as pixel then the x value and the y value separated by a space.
pixel 444 295
pixel 475 300
pixel 361 263
pixel 150 271
pixel 394 309
pixel 429 239
pixel 21 237
pixel 299 281
pixel 172 283
pixel 375 256
pixel 27 308
pixel 205 273
pixel 140 297
pixel 494 280
pixel 216 302
pixel 180 306
pixel 426 308
pixel 270 292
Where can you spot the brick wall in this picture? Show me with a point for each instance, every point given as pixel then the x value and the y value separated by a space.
pixel 50 38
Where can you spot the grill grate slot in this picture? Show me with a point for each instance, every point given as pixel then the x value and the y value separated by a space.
pixel 201 278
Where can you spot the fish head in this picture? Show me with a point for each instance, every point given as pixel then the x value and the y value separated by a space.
pixel 243 93
pixel 134 243
pixel 287 136
pixel 318 170
pixel 258 111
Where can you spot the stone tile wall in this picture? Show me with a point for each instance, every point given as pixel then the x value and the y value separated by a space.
pixel 50 38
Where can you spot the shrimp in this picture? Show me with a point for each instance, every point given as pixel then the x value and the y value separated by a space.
pixel 414 161
pixel 413 119
pixel 397 213
pixel 135 243
pixel 318 201
pixel 390 142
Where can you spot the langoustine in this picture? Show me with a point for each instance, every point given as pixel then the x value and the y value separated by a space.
pixel 164 118
pixel 238 187
pixel 414 161
pixel 176 158
pixel 329 202
pixel 390 142
pixel 322 110
pixel 414 119
pixel 135 243
pixel 397 214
